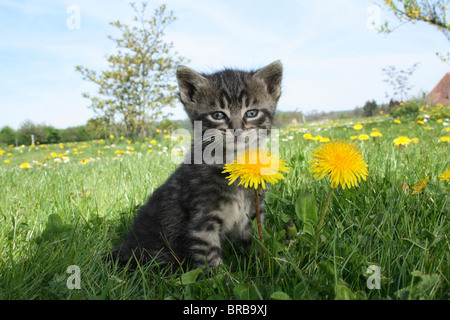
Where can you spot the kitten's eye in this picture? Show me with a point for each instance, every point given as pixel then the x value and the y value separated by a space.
pixel 251 113
pixel 218 115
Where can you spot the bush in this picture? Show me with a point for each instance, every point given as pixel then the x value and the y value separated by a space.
pixel 410 108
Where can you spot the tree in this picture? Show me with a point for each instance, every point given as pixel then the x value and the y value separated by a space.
pixel 433 12
pixel 398 81
pixel 139 83
pixel 370 108
pixel 7 135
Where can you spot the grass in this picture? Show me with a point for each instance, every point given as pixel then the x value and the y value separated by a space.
pixel 58 214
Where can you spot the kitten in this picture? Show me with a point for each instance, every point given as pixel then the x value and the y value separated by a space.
pixel 195 211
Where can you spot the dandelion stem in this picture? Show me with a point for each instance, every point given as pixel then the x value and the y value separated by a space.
pixel 258 218
pixel 322 214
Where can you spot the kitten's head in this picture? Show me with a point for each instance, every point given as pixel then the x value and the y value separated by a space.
pixel 235 108
pixel 231 99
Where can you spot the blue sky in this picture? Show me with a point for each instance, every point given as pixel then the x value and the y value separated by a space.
pixel 332 58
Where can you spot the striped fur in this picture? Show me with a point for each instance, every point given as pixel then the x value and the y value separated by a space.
pixel 195 211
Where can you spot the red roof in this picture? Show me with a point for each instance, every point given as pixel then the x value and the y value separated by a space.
pixel 441 93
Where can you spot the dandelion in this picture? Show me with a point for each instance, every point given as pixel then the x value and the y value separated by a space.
pixel 397 121
pixel 444 139
pixel 445 176
pixel 153 142
pixel 376 134
pixel 25 165
pixel 342 163
pixel 420 122
pixel 418 188
pixel 253 168
pixel 6 161
pixel 256 167
pixel 85 161
pixel 363 137
pixel 402 141
pixel 358 126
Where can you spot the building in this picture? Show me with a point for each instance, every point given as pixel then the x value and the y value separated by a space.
pixel 440 93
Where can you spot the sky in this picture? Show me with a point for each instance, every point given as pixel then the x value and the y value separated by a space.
pixel 332 56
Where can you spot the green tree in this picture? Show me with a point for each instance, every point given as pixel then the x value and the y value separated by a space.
pixel 7 135
pixel 370 108
pixel 139 83
pixel 433 12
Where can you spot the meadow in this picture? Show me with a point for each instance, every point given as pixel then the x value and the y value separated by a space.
pixel 68 204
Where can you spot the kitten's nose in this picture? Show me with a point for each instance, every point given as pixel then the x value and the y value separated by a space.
pixel 237 124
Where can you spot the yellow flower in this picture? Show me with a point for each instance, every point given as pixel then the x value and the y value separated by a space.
pixel 341 161
pixel 153 142
pixel 25 165
pixel 397 121
pixel 354 137
pixel 415 140
pixel 54 155
pixel 363 137
pixel 402 141
pixel 308 136
pixel 445 176
pixel 418 188
pixel 256 167
pixel 444 139
pixel 358 126
pixel 85 161
pixel 420 122
pixel 111 136
pixel 376 134
pixel 324 140
pixel 6 161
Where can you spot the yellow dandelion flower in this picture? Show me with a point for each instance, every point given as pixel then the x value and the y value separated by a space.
pixel 111 136
pixel 402 141
pixel 341 161
pixel 415 140
pixel 363 137
pixel 358 126
pixel 354 137
pixel 397 121
pixel 153 142
pixel 325 140
pixel 445 176
pixel 85 161
pixel 444 139
pixel 420 122
pixel 6 161
pixel 256 167
pixel 376 134
pixel 447 129
pixel 418 188
pixel 308 136
pixel 25 165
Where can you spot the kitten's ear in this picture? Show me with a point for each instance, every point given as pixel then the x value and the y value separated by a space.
pixel 271 75
pixel 189 83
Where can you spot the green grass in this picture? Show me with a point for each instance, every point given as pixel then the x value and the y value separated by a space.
pixel 66 214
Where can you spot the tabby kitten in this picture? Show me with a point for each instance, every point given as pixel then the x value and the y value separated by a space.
pixel 195 211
